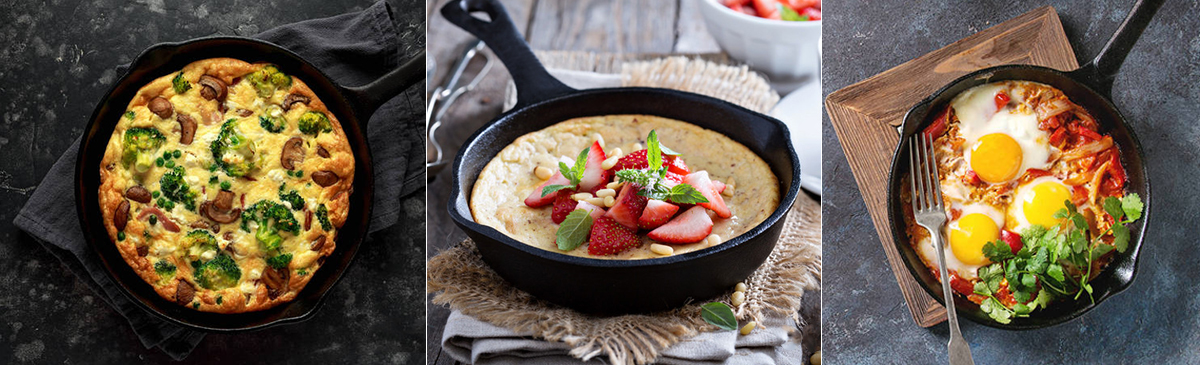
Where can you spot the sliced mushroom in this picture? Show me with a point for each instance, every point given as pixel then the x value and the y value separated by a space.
pixel 276 280
pixel 321 151
pixel 292 99
pixel 229 237
pixel 293 153
pixel 187 128
pixel 215 228
pixel 307 219
pixel 184 292
pixel 121 216
pixel 212 88
pixel 318 243
pixel 221 210
pixel 143 251
pixel 138 194
pixel 244 112
pixel 325 178
pixel 159 105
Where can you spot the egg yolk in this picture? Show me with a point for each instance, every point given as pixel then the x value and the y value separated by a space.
pixel 968 237
pixel 996 158
pixel 1046 199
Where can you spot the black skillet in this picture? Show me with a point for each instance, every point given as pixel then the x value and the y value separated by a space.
pixel 1089 86
pixel 610 286
pixel 353 107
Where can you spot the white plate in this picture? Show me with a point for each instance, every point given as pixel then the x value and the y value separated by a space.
pixel 801 111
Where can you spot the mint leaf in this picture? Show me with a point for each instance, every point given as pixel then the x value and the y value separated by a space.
pixel 997 251
pixel 668 151
pixel 553 188
pixel 720 315
pixel 786 13
pixel 686 194
pixel 580 165
pixel 639 177
pixel 574 230
pixel 565 170
pixel 1132 205
pixel 1113 207
pixel 653 151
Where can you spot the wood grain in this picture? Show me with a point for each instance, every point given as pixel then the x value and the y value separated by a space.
pixel 865 116
pixel 618 26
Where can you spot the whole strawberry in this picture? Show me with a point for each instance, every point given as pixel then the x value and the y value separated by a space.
pixel 563 205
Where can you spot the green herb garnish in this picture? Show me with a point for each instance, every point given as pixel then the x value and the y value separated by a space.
pixel 650 179
pixel 574 230
pixel 573 173
pixel 720 315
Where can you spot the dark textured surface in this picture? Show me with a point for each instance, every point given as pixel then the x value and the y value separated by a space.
pixel 864 316
pixel 56 62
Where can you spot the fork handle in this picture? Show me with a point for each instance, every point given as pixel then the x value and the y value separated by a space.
pixel 959 349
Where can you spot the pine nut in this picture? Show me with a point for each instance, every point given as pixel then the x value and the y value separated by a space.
pixel 599 202
pixel 606 192
pixel 713 239
pixel 609 162
pixel 662 249
pixel 638 147
pixel 543 172
pixel 738 298
pixel 740 287
pixel 729 187
pixel 610 201
pixel 748 327
pixel 816 358
pixel 616 152
pixel 581 196
pixel 614 185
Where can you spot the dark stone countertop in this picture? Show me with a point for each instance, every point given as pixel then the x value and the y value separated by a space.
pixel 865 319
pixel 57 60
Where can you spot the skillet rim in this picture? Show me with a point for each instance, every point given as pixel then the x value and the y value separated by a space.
pixel 281 314
pixel 787 200
pixel 900 240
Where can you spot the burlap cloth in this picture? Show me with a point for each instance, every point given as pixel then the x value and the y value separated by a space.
pixel 488 307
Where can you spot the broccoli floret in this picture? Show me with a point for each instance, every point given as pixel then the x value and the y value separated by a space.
pixel 141 147
pixel 314 123
pixel 291 197
pixel 268 79
pixel 199 241
pixel 219 273
pixel 130 115
pixel 280 262
pixel 164 269
pixel 272 218
pixel 232 151
pixel 272 119
pixel 175 189
pixel 323 218
pixel 180 84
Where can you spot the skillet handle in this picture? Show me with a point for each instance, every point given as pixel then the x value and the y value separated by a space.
pixel 368 98
pixel 534 83
pixel 1102 70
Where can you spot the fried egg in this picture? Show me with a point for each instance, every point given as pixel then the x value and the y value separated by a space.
pixel 965 236
pixel 1001 143
pixel 1036 202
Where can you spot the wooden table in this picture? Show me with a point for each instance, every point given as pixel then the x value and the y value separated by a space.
pixel 617 26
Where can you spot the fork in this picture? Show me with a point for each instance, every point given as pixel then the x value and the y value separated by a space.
pixel 930 213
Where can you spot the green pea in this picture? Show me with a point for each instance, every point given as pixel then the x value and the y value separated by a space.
pixel 159 162
pixel 299 173
pixel 177 153
pixel 153 219
pixel 167 155
pixel 155 194
pixel 170 164
pixel 120 236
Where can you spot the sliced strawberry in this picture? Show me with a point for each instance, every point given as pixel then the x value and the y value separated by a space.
pixel 609 237
pixel 691 226
pixel 593 174
pixel 563 205
pixel 700 181
pixel 594 211
pixel 718 186
pixel 636 160
pixel 536 199
pixel 628 207
pixel 673 179
pixel 657 212
pixel 675 164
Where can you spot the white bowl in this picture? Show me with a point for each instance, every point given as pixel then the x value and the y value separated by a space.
pixel 783 50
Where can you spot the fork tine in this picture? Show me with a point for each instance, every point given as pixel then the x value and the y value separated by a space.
pixel 930 173
pixel 919 173
pixel 936 187
pixel 922 164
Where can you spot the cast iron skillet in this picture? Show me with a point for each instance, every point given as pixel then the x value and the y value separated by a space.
pixel 352 106
pixel 610 286
pixel 1089 86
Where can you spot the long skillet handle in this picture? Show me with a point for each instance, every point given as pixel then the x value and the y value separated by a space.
pixel 368 98
pixel 1102 70
pixel 534 83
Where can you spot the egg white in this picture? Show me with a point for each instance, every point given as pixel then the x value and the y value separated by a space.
pixel 978 117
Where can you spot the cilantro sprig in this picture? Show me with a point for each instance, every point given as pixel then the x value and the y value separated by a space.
pixel 650 179
pixel 573 173
pixel 1055 262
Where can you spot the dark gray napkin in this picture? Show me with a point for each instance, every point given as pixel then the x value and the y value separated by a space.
pixel 353 49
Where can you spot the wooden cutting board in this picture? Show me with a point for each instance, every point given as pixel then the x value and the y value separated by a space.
pixel 865 116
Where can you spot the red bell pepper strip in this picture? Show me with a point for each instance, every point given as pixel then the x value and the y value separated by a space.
pixel 938 127
pixel 1012 239
pixel 1002 99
